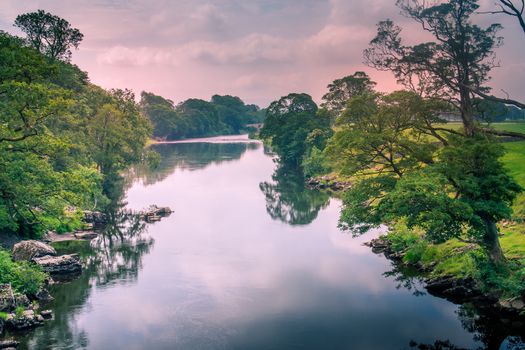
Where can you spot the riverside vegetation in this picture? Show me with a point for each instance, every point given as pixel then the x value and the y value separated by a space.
pixel 451 193
pixel 64 141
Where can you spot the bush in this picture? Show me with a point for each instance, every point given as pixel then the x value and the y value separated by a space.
pixel 314 164
pixel 24 277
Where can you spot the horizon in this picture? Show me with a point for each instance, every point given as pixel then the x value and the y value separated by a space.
pixel 258 51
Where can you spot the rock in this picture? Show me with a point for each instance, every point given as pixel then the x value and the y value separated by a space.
pixel 8 343
pixel 455 289
pixel 95 217
pixel 47 314
pixel 27 319
pixel 329 182
pixel 152 218
pixel 513 305
pixel 43 296
pixel 2 323
pixel 88 235
pixel 28 250
pixel 57 266
pixel 161 211
pixel 7 298
pixel 22 300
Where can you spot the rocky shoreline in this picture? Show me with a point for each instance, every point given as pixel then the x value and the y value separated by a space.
pixel 327 182
pixel 456 290
pixel 22 312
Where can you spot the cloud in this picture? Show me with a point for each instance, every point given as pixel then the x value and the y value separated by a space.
pixel 259 49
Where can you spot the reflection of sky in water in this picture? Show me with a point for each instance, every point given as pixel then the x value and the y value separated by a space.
pixel 222 274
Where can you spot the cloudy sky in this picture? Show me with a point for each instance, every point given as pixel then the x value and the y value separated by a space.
pixel 256 49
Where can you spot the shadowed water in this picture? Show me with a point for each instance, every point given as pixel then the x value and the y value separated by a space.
pixel 249 259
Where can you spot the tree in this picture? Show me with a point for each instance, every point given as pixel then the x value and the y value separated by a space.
pixel 458 61
pixel 288 123
pixel 340 91
pixel 447 184
pixel 49 34
pixel 510 8
pixel 119 132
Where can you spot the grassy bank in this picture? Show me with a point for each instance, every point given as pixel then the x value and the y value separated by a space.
pixel 466 260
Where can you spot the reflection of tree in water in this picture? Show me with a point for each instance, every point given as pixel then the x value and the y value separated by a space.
pixel 114 257
pixel 288 200
pixel 190 156
pixel 490 329
pixel 407 278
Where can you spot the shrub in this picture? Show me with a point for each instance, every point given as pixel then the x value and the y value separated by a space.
pixel 24 277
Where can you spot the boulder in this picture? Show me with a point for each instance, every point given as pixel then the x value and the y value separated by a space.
pixel 95 217
pixel 7 298
pixel 43 296
pixel 514 305
pixel 22 300
pixel 8 343
pixel 158 211
pixel 47 314
pixel 28 250
pixel 60 266
pixel 27 319
pixel 87 235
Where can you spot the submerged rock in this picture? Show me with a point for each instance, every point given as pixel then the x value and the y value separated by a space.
pixel 28 250
pixel 159 211
pixel 60 266
pixel 87 235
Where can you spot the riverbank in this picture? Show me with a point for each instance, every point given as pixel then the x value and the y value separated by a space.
pixel 30 267
pixel 451 271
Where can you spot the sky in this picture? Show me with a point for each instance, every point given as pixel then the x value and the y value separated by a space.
pixel 258 50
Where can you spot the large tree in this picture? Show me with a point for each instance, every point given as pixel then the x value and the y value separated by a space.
pixel 340 91
pixel 447 184
pixel 455 63
pixel 49 34
pixel 289 123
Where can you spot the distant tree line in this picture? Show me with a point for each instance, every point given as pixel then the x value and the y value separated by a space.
pixel 196 118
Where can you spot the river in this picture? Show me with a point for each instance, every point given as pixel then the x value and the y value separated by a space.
pixel 249 259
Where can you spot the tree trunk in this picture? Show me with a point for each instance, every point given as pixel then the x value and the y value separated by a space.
pixel 467 113
pixel 491 242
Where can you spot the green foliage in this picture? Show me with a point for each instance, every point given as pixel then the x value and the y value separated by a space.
pixel 389 142
pixel 4 315
pixel 294 126
pixel 60 137
pixel 340 91
pixel 315 163
pixel 49 34
pixel 19 311
pixel 508 279
pixel 196 118
pixel 24 277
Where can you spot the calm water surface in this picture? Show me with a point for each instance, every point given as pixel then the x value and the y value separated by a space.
pixel 248 260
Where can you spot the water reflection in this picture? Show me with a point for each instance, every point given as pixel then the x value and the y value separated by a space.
pixel 190 156
pixel 115 257
pixel 288 200
pixel 486 326
pixel 223 274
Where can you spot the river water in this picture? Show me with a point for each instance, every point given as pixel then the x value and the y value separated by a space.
pixel 249 259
